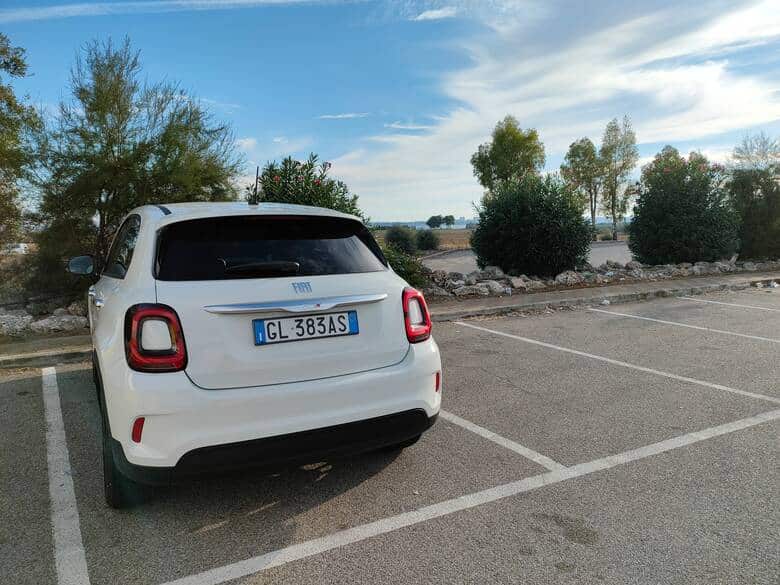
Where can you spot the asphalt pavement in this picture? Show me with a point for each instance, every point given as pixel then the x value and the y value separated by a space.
pixel 628 444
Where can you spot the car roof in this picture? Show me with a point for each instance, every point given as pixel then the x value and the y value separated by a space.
pixel 174 212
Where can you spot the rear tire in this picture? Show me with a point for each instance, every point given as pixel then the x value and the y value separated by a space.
pixel 402 445
pixel 118 490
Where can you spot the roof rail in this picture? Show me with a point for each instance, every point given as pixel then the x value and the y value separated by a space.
pixel 164 209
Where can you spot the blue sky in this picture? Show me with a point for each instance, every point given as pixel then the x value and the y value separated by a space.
pixel 398 94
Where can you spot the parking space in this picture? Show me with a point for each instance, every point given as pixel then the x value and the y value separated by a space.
pixel 575 447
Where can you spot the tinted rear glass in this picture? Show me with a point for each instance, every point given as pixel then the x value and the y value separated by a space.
pixel 264 247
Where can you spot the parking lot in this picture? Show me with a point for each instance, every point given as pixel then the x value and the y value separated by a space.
pixel 632 443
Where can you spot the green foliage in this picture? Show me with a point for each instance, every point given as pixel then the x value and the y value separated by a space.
pixel 682 214
pixel 406 266
pixel 532 226
pixel 307 183
pixel 583 171
pixel 511 154
pixel 427 240
pixel 448 220
pixel 755 195
pixel 401 238
pixel 618 156
pixel 120 143
pixel 18 122
pixel 435 221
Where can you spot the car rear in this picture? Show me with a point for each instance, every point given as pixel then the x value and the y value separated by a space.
pixel 273 336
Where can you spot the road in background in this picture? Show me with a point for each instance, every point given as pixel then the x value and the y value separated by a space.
pixel 465 261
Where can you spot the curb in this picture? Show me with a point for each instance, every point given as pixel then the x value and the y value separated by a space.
pixel 40 359
pixel 614 299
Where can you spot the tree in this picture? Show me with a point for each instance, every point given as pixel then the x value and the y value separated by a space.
pixel 121 142
pixel 619 155
pixel 531 226
pixel 307 183
pixel 448 220
pixel 434 221
pixel 755 195
pixel 18 121
pixel 401 238
pixel 758 152
pixel 511 154
pixel 583 171
pixel 682 213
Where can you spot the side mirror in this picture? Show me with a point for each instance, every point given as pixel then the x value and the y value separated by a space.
pixel 81 265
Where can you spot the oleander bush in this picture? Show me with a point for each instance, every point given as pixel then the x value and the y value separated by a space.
pixel 401 238
pixel 427 240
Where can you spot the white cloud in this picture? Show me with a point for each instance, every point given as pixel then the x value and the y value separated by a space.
pixel 132 7
pixel 437 14
pixel 673 71
pixel 401 126
pixel 259 152
pixel 345 116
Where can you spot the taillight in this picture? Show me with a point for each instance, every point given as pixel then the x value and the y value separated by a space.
pixel 154 341
pixel 416 316
pixel 138 429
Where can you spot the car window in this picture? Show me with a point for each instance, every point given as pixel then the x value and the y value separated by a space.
pixel 263 247
pixel 121 253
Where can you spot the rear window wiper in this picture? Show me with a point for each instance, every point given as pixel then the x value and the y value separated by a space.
pixel 275 268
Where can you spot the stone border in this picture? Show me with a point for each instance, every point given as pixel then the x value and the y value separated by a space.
pixel 614 298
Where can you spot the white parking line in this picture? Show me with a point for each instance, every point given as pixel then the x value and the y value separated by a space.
pixel 676 324
pixel 68 547
pixel 317 546
pixel 730 304
pixel 542 460
pixel 625 364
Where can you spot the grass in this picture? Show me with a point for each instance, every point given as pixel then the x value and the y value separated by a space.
pixel 454 239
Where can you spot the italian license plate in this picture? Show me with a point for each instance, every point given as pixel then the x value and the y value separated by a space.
pixel 268 331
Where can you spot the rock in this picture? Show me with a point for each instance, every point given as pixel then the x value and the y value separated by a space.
pixel 472 278
pixel 685 265
pixel 601 279
pixel 78 308
pixel 439 277
pixel 60 312
pixel 611 264
pixel 774 284
pixel 435 291
pixel 532 284
pixel 569 278
pixel 14 324
pixel 518 283
pixel 495 288
pixel 453 284
pixel 605 302
pixel 633 265
pixel 59 323
pixel 478 290
pixel 492 272
pixel 37 308
pixel 455 276
pixel 749 266
pixel 723 267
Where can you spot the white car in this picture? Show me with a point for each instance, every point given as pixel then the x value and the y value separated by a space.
pixel 228 334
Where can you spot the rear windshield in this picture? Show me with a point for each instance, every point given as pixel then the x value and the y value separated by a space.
pixel 222 248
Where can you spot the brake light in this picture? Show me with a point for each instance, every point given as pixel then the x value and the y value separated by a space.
pixel 154 341
pixel 416 316
pixel 138 429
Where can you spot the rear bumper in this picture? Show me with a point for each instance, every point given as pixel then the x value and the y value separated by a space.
pixel 302 447
pixel 182 418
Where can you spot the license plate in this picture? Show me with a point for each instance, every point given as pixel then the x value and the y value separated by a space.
pixel 268 331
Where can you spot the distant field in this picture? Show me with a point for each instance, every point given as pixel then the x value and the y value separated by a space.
pixel 454 239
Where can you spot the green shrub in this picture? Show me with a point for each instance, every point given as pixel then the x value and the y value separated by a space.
pixel 531 226
pixel 401 238
pixel 427 240
pixel 682 214
pixel 406 266
pixel 755 195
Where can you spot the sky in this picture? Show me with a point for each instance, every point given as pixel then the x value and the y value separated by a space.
pixel 398 94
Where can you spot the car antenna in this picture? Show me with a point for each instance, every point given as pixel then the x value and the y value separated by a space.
pixel 254 199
